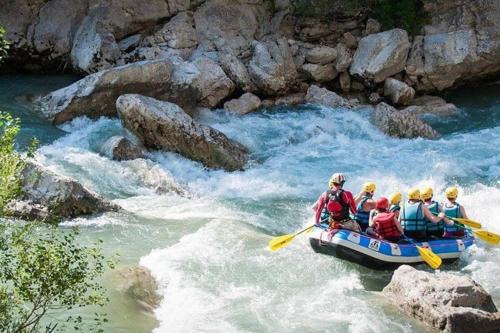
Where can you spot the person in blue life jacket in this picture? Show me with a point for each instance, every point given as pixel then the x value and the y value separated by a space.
pixel 452 208
pixel 414 216
pixel 364 204
pixel 395 201
pixel 435 230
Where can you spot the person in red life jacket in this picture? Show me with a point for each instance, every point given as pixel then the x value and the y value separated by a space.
pixel 365 203
pixel 383 223
pixel 337 204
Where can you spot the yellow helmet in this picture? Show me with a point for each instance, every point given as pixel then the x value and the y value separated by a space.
pixel 427 193
pixel 451 192
pixel 369 187
pixel 396 198
pixel 414 194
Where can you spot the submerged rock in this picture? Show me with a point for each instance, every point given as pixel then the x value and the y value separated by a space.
pixel 137 283
pixel 165 126
pixel 121 149
pixel 95 95
pixel 52 197
pixel 401 124
pixel 381 55
pixel 322 96
pixel 445 301
pixel 247 103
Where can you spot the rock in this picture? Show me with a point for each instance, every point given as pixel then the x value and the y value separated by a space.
pixel 374 98
pixel 288 100
pixel 53 197
pixel 320 73
pixel 415 61
pixel 345 81
pixel 272 67
pixel 433 105
pixel 236 71
pixel 372 26
pixel 399 92
pixel 212 82
pixel 322 96
pixel 137 283
pixel 120 148
pixel 94 47
pixel 247 103
pixel 381 55
pixel 344 58
pixel 223 24
pixel 401 124
pixel 129 43
pixel 349 40
pixel 178 33
pixel 445 301
pixel 95 95
pixel 321 55
pixel 165 126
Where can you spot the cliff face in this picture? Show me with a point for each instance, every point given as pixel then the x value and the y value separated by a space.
pixel 460 43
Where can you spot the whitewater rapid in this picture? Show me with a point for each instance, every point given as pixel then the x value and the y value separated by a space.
pixel 207 245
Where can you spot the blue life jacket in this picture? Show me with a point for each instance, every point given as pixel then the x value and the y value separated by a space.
pixel 434 209
pixel 412 217
pixel 453 211
pixel 394 208
pixel 363 217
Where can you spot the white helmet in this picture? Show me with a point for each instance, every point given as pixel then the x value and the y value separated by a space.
pixel 337 178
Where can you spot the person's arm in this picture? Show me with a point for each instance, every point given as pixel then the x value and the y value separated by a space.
pixel 319 207
pixel 431 217
pixel 369 205
pixel 370 220
pixel 462 211
pixel 396 214
pixel 398 225
pixel 352 203
pixel 358 197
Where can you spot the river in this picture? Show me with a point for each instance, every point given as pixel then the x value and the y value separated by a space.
pixel 207 247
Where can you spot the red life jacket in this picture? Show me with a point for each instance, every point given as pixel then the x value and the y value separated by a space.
pixel 336 206
pixel 385 226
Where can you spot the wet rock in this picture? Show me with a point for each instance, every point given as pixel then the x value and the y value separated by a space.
pixel 432 105
pixel 236 71
pixel 53 197
pixel 137 283
pixel 212 82
pixel 325 97
pixel 445 301
pixel 401 124
pixel 272 67
pixel 399 92
pixel 288 100
pixel 381 55
pixel 247 103
pixel 165 126
pixel 321 55
pixel 344 57
pixel 95 95
pixel 120 148
pixel 320 73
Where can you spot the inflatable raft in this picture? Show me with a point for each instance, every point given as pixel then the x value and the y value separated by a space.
pixel 379 254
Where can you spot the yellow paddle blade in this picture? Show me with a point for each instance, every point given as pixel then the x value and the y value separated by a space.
pixel 281 241
pixel 467 222
pixel 488 236
pixel 429 257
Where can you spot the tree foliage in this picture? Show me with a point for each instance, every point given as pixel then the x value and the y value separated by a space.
pixel 4 44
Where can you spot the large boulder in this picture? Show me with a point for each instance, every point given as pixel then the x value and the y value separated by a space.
pixel 178 33
pixel 96 94
pixel 399 92
pixel 272 67
pixel 321 55
pixel 381 55
pixel 445 301
pixel 49 196
pixel 325 97
pixel 401 124
pixel 247 103
pixel 137 283
pixel 212 82
pixel 165 126
pixel 236 71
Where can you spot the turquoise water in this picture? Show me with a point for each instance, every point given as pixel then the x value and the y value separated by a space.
pixel 207 248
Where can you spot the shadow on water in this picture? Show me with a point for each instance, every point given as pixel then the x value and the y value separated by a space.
pixel 18 94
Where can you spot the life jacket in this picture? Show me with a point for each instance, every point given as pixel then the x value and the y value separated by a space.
pixel 434 209
pixel 363 217
pixel 394 208
pixel 453 211
pixel 336 205
pixel 385 226
pixel 412 218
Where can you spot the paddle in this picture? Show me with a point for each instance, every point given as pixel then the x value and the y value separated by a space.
pixel 485 235
pixel 281 241
pixel 467 222
pixel 432 259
